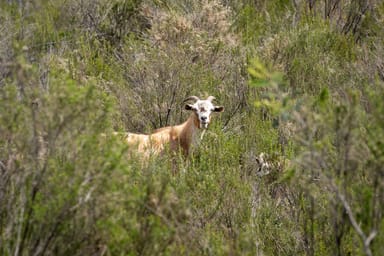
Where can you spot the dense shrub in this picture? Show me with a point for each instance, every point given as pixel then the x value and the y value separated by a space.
pixel 52 166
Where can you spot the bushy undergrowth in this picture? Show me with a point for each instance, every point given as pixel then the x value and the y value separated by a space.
pixel 301 82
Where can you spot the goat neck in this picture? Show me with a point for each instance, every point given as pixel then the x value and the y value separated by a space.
pixel 188 133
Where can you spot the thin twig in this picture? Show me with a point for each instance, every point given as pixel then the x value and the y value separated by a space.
pixel 366 240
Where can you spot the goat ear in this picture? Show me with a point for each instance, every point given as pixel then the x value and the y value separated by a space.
pixel 218 109
pixel 189 107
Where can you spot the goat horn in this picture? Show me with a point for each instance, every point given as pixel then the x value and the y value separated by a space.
pixel 195 98
pixel 211 98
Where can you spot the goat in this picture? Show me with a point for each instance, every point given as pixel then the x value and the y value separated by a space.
pixel 178 137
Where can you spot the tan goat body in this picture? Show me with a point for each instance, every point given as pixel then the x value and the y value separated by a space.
pixel 177 137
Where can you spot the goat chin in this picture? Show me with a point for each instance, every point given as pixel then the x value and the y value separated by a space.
pixel 204 126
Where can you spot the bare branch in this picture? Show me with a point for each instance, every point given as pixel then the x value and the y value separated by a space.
pixel 366 240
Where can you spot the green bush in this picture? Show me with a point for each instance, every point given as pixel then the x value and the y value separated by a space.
pixel 52 164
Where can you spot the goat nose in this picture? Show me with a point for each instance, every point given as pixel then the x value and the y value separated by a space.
pixel 203 118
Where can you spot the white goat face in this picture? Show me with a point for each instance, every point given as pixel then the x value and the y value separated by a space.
pixel 203 109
